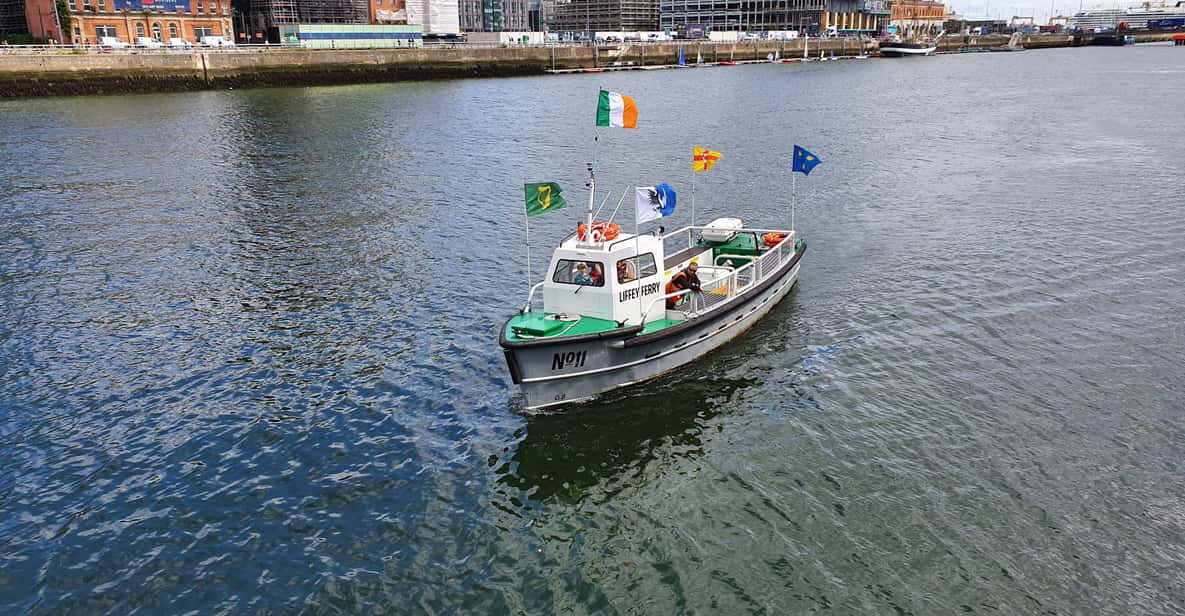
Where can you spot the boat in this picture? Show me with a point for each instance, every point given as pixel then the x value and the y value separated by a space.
pixel 608 319
pixel 1146 16
pixel 901 49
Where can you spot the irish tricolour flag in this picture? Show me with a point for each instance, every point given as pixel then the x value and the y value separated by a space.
pixel 614 109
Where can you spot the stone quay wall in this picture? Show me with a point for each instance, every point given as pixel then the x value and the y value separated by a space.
pixel 65 71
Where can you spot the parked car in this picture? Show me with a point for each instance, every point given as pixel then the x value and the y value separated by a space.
pixel 179 43
pixel 215 41
pixel 148 42
pixel 112 42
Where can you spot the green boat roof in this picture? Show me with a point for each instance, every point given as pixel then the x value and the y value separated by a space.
pixel 536 325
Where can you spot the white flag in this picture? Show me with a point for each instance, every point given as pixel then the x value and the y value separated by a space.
pixel 649 204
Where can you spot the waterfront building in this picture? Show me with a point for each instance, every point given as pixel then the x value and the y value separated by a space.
pixel 12 18
pixel 438 18
pixel 127 19
pixel 918 17
pixel 352 36
pixel 849 17
pixel 494 15
pixel 592 15
pixel 805 16
pixel 269 15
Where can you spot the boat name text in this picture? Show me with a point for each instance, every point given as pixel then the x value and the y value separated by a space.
pixel 643 290
pixel 571 359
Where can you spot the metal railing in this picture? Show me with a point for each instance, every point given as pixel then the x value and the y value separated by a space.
pixel 427 44
pixel 724 289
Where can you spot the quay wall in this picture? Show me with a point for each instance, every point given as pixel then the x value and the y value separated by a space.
pixel 65 71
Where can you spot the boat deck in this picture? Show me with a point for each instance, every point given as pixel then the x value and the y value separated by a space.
pixel 537 325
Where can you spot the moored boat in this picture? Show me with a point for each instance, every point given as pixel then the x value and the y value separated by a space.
pixel 900 49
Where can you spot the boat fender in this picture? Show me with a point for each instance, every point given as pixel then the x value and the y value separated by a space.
pixel 601 231
pixel 773 239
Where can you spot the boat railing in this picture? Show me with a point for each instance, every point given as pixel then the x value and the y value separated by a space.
pixel 530 297
pixel 719 291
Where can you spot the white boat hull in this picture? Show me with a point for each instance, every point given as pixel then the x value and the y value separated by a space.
pixel 900 52
pixel 558 374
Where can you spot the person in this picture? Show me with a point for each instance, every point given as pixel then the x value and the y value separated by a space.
pixel 581 276
pixel 625 271
pixel 597 275
pixel 684 280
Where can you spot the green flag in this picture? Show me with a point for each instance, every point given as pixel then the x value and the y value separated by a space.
pixel 543 197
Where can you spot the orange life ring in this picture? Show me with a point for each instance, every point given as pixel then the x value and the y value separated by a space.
pixel 601 231
pixel 773 239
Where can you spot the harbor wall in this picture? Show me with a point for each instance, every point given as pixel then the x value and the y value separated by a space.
pixel 66 71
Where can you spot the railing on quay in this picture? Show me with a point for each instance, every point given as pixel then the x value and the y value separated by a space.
pixel 427 44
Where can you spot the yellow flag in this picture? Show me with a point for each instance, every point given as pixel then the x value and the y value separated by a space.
pixel 702 159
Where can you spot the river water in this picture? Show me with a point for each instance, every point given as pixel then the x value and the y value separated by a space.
pixel 249 361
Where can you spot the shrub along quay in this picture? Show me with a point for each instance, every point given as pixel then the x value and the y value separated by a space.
pixel 61 71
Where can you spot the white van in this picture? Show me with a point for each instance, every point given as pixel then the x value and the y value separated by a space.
pixel 215 41
pixel 147 42
pixel 179 43
pixel 112 42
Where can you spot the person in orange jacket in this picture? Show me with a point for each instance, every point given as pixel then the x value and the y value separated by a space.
pixel 684 280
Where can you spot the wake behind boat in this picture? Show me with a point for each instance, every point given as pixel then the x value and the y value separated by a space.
pixel 615 308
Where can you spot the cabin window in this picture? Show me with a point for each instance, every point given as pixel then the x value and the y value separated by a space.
pixel 633 268
pixel 588 273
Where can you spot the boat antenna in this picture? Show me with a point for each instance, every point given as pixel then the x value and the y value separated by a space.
pixel 602 205
pixel 592 183
pixel 619 202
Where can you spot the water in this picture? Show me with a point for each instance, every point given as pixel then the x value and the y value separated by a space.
pixel 249 361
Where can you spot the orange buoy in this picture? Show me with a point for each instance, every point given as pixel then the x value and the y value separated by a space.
pixel 601 231
pixel 773 239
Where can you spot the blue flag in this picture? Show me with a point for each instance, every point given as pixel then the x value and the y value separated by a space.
pixel 804 161
pixel 666 196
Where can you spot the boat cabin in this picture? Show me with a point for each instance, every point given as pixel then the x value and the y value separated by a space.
pixel 615 280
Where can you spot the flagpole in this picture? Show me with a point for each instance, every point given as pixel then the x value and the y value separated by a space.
pixel 641 317
pixel 693 191
pixel 527 220
pixel 793 197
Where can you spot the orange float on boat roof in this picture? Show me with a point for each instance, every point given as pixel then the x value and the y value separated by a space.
pixel 601 231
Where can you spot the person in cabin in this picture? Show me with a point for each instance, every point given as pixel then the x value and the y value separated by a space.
pixel 684 280
pixel 625 271
pixel 581 276
pixel 597 275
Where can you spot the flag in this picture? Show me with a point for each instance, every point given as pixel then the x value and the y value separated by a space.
pixel 543 197
pixel 804 161
pixel 616 110
pixel 702 159
pixel 654 202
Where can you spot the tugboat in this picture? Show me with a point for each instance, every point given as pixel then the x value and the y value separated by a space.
pixel 612 315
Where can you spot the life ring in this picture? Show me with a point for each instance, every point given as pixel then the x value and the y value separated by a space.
pixel 601 231
pixel 773 239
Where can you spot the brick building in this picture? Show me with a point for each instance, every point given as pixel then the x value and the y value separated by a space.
pixel 128 19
